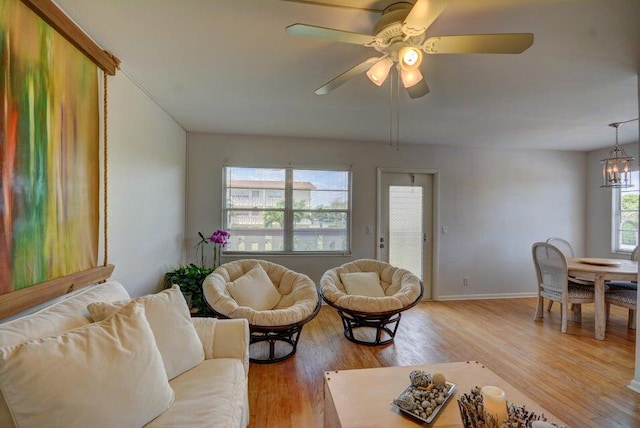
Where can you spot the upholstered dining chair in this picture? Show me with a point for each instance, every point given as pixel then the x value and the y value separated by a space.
pixel 627 299
pixel 276 301
pixel 553 283
pixel 626 285
pixel 567 249
pixel 370 295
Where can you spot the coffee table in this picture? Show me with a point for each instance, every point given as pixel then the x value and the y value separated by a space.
pixel 362 397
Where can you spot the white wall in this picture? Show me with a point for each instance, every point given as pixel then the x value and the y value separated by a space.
pixel 494 203
pixel 146 182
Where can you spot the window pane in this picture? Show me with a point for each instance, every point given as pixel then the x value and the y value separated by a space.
pixel 255 188
pixel 626 218
pixel 320 231
pixel 405 228
pixel 320 189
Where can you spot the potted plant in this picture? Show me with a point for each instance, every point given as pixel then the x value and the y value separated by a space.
pixel 190 277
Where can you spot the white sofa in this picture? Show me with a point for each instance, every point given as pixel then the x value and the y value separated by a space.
pixel 44 382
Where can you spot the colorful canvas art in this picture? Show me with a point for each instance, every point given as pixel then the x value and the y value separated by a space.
pixel 49 152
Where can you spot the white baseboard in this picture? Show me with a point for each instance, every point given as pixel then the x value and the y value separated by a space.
pixel 486 296
pixel 634 385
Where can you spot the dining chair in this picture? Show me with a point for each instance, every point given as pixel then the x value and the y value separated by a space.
pixel 567 249
pixel 625 298
pixel 553 283
pixel 563 245
pixel 626 285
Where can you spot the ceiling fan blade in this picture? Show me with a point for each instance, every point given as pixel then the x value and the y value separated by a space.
pixel 422 15
pixel 507 43
pixel 418 90
pixel 330 34
pixel 347 75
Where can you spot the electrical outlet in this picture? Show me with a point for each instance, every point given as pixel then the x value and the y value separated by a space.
pixel 465 281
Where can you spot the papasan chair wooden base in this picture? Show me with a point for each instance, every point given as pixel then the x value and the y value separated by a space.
pixel 281 341
pixel 384 324
pixel 274 332
pixel 361 312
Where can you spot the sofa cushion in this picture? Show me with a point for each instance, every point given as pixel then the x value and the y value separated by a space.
pixel 108 373
pixel 255 290
pixel 63 315
pixel 170 321
pixel 362 284
pixel 212 394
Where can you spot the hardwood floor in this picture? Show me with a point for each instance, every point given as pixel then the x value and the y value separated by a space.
pixel 576 377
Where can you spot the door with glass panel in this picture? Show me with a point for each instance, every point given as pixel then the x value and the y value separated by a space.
pixel 405 222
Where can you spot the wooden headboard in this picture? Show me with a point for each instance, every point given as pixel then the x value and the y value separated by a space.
pixel 17 301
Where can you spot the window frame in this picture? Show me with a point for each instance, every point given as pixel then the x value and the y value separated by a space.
pixel 616 217
pixel 288 228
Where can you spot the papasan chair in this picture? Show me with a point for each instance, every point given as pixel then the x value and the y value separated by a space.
pixel 275 300
pixel 370 294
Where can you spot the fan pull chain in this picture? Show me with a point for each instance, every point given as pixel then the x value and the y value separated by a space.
pixel 104 169
pixel 397 113
pixel 391 110
pixel 394 104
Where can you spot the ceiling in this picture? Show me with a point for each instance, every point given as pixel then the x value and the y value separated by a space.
pixel 229 67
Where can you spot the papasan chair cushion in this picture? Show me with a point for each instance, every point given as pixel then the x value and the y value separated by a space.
pixel 393 290
pixel 297 304
pixel 401 288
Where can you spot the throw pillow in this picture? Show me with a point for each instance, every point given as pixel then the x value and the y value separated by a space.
pixel 108 373
pixel 362 284
pixel 255 290
pixel 170 321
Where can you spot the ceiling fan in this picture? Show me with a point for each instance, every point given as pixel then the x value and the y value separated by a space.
pixel 400 36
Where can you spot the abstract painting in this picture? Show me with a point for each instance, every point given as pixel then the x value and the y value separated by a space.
pixel 49 152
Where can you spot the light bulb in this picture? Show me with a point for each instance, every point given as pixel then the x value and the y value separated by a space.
pixel 410 58
pixel 379 71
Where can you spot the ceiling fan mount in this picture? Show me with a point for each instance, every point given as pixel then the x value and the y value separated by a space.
pixel 390 22
pixel 400 36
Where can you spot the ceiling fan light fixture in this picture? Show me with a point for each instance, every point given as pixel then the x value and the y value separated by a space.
pixel 410 77
pixel 379 71
pixel 410 58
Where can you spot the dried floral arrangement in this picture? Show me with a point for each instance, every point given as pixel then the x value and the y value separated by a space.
pixel 474 416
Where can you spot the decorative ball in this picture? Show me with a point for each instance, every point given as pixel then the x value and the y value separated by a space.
pixel 419 378
pixel 438 379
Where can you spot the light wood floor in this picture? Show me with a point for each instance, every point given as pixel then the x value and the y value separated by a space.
pixel 576 377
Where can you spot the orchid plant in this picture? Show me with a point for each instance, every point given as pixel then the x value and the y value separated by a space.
pixel 220 239
pixel 190 277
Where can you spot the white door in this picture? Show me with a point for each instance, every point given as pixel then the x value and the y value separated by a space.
pixel 405 223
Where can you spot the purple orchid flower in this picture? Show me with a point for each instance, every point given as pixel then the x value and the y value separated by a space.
pixel 220 237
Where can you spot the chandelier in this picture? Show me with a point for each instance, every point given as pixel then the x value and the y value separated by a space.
pixel 616 167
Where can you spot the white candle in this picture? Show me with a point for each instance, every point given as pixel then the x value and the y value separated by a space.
pixel 541 424
pixel 495 402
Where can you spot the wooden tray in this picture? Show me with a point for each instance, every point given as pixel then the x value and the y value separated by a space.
pixel 432 416
pixel 600 262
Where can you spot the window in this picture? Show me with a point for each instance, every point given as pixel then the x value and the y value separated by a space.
pixel 289 210
pixel 625 218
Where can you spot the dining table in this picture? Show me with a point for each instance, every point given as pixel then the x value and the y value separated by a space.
pixel 601 270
